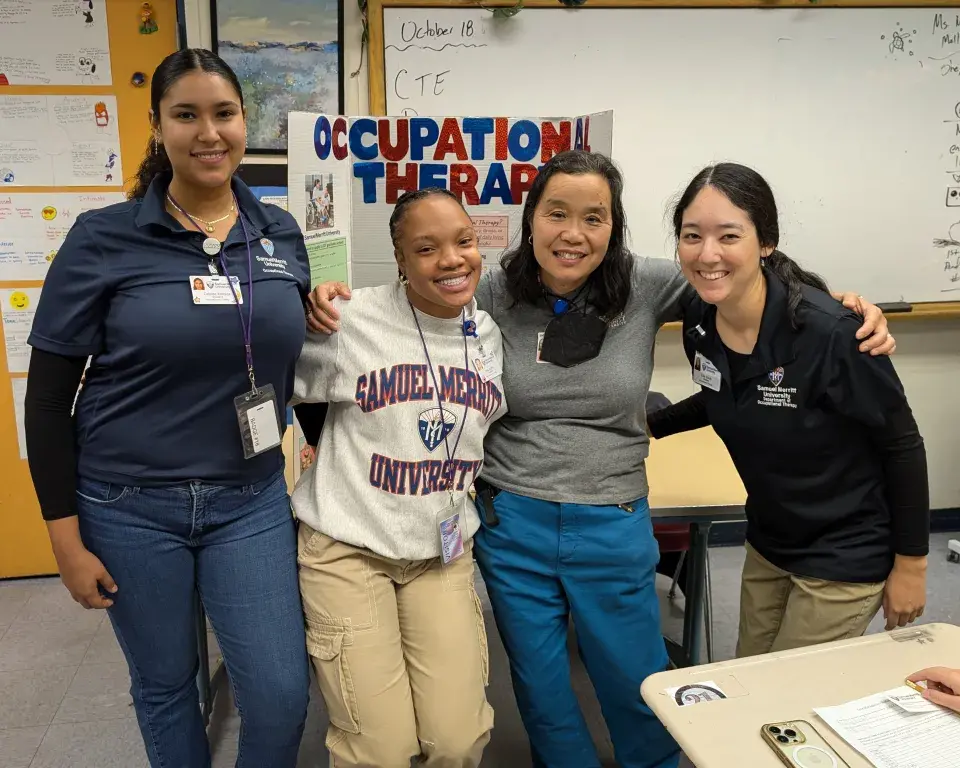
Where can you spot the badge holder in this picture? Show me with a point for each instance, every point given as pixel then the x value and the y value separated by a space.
pixel 450 522
pixel 259 424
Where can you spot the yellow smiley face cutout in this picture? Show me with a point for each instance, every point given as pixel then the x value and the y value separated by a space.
pixel 51 256
pixel 19 300
pixel 49 213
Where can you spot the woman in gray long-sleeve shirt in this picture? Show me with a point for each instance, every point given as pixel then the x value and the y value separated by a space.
pixel 568 529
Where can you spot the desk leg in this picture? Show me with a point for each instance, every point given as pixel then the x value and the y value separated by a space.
pixel 693 607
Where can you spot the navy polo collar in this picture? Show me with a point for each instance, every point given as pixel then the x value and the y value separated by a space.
pixel 153 208
pixel 776 341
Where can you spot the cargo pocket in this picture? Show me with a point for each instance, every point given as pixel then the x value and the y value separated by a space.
pixel 482 638
pixel 325 644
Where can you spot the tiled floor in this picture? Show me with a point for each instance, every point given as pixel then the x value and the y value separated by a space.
pixel 64 700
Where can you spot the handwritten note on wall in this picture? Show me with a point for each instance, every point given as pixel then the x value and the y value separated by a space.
pixel 54 42
pixel 59 141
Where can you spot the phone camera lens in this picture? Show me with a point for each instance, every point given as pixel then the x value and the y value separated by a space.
pixel 790 732
pixel 774 729
pixel 782 739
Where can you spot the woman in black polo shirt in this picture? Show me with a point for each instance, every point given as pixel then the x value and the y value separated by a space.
pixel 821 434
pixel 170 481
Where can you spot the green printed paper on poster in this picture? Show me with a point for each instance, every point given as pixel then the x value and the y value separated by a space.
pixel 328 260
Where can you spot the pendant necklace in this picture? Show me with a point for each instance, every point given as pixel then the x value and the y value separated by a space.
pixel 209 225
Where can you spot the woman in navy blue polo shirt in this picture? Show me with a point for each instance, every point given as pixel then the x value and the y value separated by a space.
pixel 188 301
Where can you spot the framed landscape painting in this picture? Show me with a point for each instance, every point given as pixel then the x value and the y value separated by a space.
pixel 288 55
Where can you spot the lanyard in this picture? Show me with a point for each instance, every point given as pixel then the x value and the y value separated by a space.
pixel 466 365
pixel 246 326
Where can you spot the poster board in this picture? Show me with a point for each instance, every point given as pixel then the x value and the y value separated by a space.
pixel 346 173
pixel 24 546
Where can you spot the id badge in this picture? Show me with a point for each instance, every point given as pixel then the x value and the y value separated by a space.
pixel 487 366
pixel 451 533
pixel 259 424
pixel 540 336
pixel 215 289
pixel 705 373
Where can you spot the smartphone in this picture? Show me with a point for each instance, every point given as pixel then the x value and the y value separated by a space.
pixel 799 745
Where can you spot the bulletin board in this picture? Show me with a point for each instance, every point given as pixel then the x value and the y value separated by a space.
pixel 24 546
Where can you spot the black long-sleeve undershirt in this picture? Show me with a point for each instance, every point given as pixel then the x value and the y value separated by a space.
pixel 52 384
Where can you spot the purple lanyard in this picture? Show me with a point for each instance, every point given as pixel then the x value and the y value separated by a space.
pixel 246 326
pixel 466 365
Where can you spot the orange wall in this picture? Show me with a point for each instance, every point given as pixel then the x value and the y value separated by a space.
pixel 24 548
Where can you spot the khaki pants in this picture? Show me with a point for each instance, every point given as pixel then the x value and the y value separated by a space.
pixel 400 653
pixel 779 610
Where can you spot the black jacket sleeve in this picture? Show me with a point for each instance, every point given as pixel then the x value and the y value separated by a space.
pixel 311 417
pixel 688 414
pixel 52 383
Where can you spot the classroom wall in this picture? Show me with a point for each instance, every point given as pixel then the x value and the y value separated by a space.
pixel 928 351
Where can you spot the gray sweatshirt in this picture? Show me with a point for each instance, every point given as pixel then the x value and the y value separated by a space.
pixel 389 465
pixel 576 434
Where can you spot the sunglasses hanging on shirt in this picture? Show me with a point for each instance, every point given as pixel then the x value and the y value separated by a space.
pixel 574 335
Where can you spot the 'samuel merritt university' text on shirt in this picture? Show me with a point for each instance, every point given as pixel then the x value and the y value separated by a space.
pixel 384 471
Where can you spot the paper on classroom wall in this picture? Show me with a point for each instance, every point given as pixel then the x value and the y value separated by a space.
pixel 59 141
pixel 17 309
pixel 33 226
pixel 345 175
pixel 19 396
pixel 54 42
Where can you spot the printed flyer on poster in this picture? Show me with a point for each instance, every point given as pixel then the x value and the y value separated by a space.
pixel 59 141
pixel 33 226
pixel 346 173
pixel 54 42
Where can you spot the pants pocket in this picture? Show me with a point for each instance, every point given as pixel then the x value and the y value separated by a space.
pixel 482 639
pixel 325 644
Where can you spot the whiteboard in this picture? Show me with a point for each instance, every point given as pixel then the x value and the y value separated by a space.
pixel 851 114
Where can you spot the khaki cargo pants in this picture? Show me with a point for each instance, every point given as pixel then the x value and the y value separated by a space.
pixel 400 653
pixel 779 610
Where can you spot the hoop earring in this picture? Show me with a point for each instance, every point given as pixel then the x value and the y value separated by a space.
pixel 530 239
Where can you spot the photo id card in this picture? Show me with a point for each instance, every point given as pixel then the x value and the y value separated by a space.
pixel 215 289
pixel 259 424
pixel 487 366
pixel 705 373
pixel 451 534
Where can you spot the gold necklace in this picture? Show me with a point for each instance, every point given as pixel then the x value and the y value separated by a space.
pixel 209 223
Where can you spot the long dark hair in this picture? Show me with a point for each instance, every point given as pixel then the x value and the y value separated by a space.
pixel 751 193
pixel 405 201
pixel 610 281
pixel 171 69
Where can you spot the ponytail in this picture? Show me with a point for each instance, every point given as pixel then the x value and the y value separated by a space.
pixel 154 163
pixel 794 277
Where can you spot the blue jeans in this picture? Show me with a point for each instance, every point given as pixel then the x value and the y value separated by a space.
pixel 238 547
pixel 547 561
